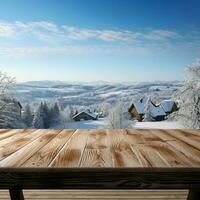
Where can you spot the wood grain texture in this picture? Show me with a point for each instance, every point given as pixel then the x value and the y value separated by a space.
pixel 100 159
pixel 187 150
pixel 97 150
pixel 100 148
pixel 71 153
pixel 19 157
pixel 158 151
pixel 4 133
pixel 46 154
pixel 11 144
pixel 122 154
pixel 100 194
pixel 100 178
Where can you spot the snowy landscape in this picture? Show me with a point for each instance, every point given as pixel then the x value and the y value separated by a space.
pixel 96 96
pixel 88 94
pixel 99 65
pixel 55 104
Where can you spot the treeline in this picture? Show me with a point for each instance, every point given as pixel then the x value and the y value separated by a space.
pixel 43 117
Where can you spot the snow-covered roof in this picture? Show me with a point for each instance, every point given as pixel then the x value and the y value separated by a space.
pixel 167 105
pixel 139 107
pixel 157 111
pixel 91 113
pixel 88 112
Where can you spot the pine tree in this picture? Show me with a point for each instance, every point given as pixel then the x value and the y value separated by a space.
pixel 55 113
pixel 46 115
pixel 38 121
pixel 27 116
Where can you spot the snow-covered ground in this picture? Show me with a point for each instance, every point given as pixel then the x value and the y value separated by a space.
pixel 158 125
pixel 103 123
pixel 92 124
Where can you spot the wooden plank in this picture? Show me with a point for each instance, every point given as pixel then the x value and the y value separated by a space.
pixel 70 154
pixel 3 130
pixel 9 132
pixel 188 138
pixel 45 155
pixel 100 194
pixel 19 157
pixel 20 134
pixel 18 142
pixel 146 154
pixel 97 150
pixel 192 153
pixel 122 154
pixel 100 178
pixel 170 156
pixel 192 131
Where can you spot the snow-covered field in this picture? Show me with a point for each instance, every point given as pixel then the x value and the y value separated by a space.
pixel 90 124
pixel 158 125
pixel 103 123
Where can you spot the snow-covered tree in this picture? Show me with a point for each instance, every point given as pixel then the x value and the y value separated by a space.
pixel 10 112
pixel 46 115
pixel 10 115
pixel 7 83
pixel 148 111
pixel 38 121
pixel 55 113
pixel 189 98
pixel 105 107
pixel 116 117
pixel 66 116
pixel 27 116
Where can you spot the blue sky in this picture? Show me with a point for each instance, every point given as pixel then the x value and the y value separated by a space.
pixel 92 40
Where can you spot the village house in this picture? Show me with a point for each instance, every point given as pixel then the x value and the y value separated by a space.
pixel 169 106
pixel 158 112
pixel 86 114
pixel 137 110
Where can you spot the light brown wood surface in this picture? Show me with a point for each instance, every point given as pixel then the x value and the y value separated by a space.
pixel 100 194
pixel 99 148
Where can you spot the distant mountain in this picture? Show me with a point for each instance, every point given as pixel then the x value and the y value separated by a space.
pixel 43 83
pixel 50 83
pixel 86 94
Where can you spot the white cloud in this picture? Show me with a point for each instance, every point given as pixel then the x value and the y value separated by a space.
pixel 47 50
pixel 7 30
pixel 160 35
pixel 36 26
pixel 78 34
pixel 44 30
pixel 77 49
pixel 62 39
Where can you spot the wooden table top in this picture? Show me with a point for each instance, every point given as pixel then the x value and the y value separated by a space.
pixel 99 148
